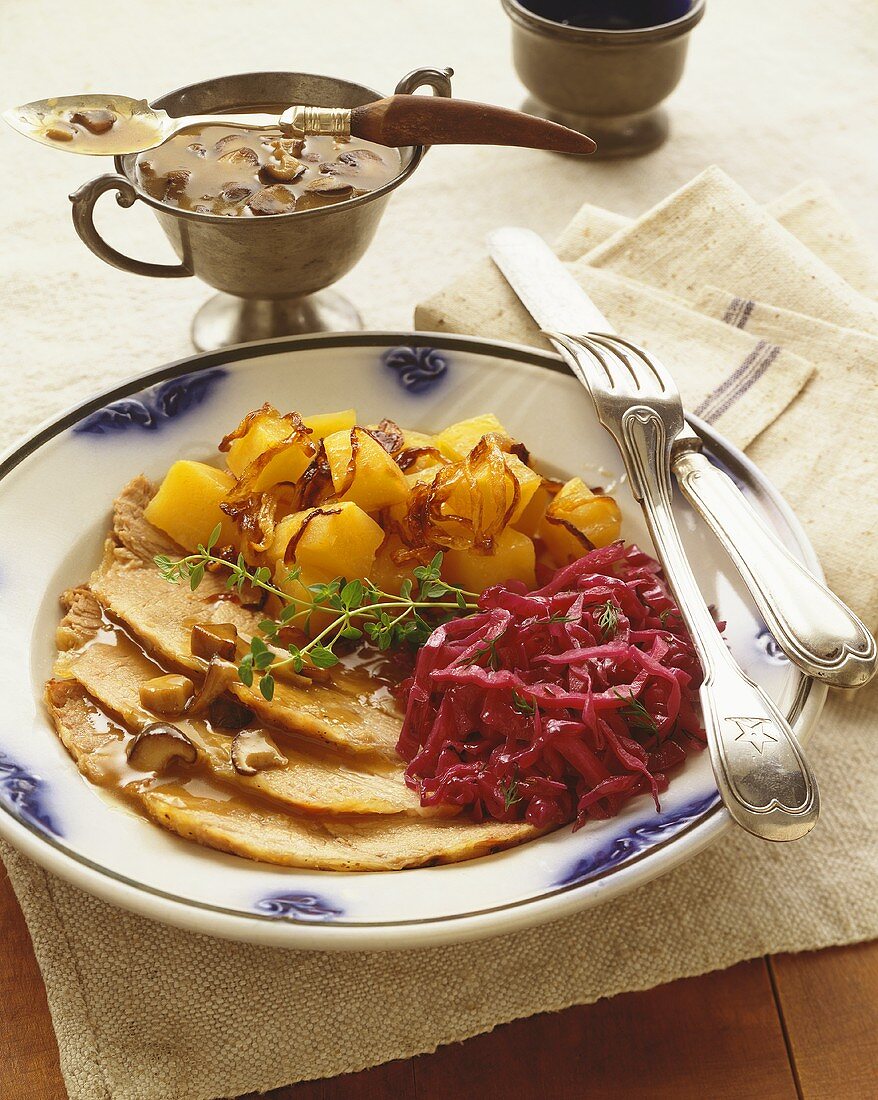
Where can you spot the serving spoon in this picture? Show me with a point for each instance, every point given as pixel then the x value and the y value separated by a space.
pixel 112 125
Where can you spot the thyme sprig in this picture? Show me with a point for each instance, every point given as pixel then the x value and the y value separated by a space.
pixel 355 609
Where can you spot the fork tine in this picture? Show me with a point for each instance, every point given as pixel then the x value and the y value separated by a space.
pixel 658 373
pixel 585 360
pixel 621 358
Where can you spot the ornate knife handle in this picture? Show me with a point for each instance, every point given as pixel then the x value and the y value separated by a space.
pixel 760 769
pixel 811 625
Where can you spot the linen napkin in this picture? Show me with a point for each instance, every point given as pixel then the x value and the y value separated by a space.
pixel 145 1012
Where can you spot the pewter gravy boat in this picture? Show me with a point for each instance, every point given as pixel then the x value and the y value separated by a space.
pixel 271 272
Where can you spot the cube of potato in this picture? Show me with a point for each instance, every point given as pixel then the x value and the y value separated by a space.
pixel 387 574
pixel 417 439
pixel 299 590
pixel 187 505
pixel 288 465
pixel 377 483
pixel 575 506
pixel 267 429
pixel 531 516
pixel 459 439
pixel 415 477
pixel 513 558
pixel 324 424
pixel 477 500
pixel 528 483
pixel 338 540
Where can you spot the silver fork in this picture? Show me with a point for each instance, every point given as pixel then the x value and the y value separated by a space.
pixel 760 769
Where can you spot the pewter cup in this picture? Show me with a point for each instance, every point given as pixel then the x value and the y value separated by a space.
pixel 271 272
pixel 607 83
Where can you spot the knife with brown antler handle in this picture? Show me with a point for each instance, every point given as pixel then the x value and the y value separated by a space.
pixel 813 627
pixel 401 120
pixel 97 125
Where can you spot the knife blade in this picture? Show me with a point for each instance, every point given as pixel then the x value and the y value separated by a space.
pixel 530 267
pixel 812 626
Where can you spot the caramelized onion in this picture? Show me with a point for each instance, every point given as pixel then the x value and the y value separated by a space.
pixel 389 434
pixel 483 489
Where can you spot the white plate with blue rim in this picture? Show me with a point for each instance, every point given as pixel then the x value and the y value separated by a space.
pixel 56 490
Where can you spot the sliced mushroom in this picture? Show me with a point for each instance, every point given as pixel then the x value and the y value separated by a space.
pixel 219 675
pixel 226 713
pixel 166 695
pixel 95 121
pixel 276 199
pixel 241 156
pixel 59 132
pixel 158 746
pixel 224 142
pixel 176 182
pixel 235 192
pixel 214 640
pixel 282 163
pixel 197 149
pixel 328 185
pixel 254 750
pixel 354 158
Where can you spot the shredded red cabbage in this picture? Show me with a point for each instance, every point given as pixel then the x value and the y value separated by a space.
pixel 558 704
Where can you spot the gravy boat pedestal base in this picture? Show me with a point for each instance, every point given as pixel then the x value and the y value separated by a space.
pixel 226 319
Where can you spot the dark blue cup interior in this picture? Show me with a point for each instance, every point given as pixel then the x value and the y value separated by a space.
pixel 605 15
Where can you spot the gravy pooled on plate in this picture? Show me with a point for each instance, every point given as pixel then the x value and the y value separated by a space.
pixel 243 173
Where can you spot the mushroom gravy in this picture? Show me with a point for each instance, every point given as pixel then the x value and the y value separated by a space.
pixel 369 677
pixel 238 172
pixel 102 130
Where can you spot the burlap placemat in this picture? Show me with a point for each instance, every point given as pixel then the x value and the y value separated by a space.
pixel 144 1012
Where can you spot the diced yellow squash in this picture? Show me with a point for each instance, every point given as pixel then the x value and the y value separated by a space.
pixel 377 483
pixel 597 517
pixel 338 540
pixel 187 505
pixel 324 424
pixel 531 516
pixel 387 574
pixel 266 430
pixel 513 559
pixel 459 439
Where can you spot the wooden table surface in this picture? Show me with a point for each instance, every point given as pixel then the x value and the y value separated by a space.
pixel 773 1028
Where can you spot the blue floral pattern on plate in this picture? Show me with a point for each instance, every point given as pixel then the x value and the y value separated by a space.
pixel 24 794
pixel 308 907
pixel 635 840
pixel 417 369
pixel 153 408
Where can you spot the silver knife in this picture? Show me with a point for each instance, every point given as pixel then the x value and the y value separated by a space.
pixel 813 627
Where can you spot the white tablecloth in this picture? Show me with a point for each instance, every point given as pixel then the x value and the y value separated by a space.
pixel 773 92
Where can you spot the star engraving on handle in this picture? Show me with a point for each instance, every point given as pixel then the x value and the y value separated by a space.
pixel 753 731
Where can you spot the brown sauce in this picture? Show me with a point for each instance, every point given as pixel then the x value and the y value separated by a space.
pixel 241 173
pixel 370 676
pixel 98 129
